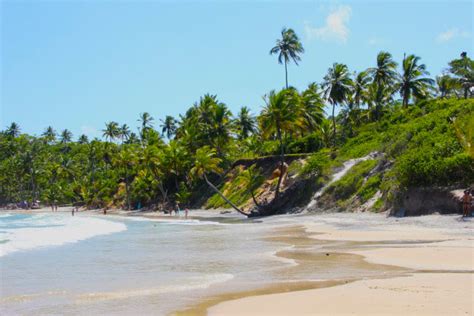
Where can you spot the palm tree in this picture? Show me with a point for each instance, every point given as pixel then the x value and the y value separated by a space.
pixel 111 131
pixel 175 158
pixel 66 136
pixel 280 115
pixel 83 139
pixel 312 107
pixel 446 85
pixel 205 161
pixel 146 121
pixel 384 76
pixel 124 133
pixel 251 179
pixel 337 86
pixel 361 85
pixel 49 134
pixel 168 126
pixel 411 82
pixel 246 123
pixel 463 69
pixel 288 48
pixel 13 130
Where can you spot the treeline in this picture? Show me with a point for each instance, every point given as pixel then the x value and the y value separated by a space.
pixel 168 160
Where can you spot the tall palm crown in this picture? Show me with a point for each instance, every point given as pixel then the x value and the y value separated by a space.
pixel 361 86
pixel 312 107
pixel 13 130
pixel 463 69
pixel 385 72
pixel 49 134
pixel 146 121
pixel 337 87
pixel 111 131
pixel 288 48
pixel 124 132
pixel 168 126
pixel 412 82
pixel 83 139
pixel 66 136
pixel 246 123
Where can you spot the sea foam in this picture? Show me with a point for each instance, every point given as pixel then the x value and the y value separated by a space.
pixel 44 230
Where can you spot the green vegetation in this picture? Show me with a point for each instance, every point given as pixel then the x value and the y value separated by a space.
pixel 425 137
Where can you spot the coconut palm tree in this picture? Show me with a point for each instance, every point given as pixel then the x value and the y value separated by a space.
pixel 66 136
pixel 281 114
pixel 384 76
pixel 463 70
pixel 246 123
pixel 146 121
pixel 311 107
pixel 49 134
pixel 251 179
pixel 361 86
pixel 168 126
pixel 13 130
pixel 337 86
pixel 288 48
pixel 446 86
pixel 124 133
pixel 412 82
pixel 83 139
pixel 111 131
pixel 205 161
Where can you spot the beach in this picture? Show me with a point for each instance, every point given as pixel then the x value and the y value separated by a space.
pixel 222 264
pixel 439 281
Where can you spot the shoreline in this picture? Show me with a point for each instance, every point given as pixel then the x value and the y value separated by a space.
pixel 417 262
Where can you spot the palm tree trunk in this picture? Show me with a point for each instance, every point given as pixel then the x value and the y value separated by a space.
pixel 333 125
pixel 255 199
pixel 282 161
pixel 222 196
pixel 286 74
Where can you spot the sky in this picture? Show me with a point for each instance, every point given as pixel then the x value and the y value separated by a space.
pixel 78 64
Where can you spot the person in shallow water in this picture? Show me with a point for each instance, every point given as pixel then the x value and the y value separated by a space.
pixel 177 209
pixel 466 203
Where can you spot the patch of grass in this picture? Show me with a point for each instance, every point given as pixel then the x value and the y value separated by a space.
pixel 352 181
pixel 369 188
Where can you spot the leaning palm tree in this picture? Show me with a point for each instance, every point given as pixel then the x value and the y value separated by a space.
pixel 205 162
pixel 246 123
pixel 288 48
pixel 168 126
pixel 13 130
pixel 281 114
pixel 337 86
pixel 412 82
pixel 252 179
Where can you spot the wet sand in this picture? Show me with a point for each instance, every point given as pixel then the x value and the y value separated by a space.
pixel 434 274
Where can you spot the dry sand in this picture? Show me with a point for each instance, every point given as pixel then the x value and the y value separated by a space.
pixel 441 282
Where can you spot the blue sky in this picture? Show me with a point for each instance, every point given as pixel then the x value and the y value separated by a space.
pixel 77 64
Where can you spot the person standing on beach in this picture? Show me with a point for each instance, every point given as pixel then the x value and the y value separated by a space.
pixel 186 211
pixel 466 203
pixel 73 209
pixel 177 209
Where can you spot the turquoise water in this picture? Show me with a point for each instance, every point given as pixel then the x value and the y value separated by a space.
pixel 59 264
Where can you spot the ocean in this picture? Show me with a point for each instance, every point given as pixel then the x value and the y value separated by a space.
pixel 56 264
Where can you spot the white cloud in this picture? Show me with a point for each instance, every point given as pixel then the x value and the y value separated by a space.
pixel 335 28
pixel 450 34
pixel 90 131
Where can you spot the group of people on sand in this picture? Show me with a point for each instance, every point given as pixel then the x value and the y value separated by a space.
pixel 177 211
pixel 467 203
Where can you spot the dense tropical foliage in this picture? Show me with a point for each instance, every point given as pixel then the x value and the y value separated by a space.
pixel 177 162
